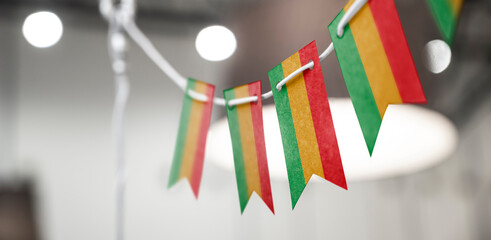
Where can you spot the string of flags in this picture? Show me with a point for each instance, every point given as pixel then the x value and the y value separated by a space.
pixel 378 70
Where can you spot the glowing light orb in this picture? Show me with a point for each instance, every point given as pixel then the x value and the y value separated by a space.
pixel 42 29
pixel 216 43
pixel 437 56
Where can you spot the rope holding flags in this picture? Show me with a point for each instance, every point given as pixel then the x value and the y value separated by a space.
pixel 378 70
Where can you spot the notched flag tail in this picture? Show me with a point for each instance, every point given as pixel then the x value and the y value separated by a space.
pixel 307 130
pixel 446 14
pixel 376 64
pixel 191 138
pixel 246 130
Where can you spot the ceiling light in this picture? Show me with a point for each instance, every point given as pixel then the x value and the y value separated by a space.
pixel 215 43
pixel 437 56
pixel 411 138
pixel 42 29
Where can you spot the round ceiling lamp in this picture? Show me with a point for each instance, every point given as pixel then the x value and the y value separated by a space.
pixel 216 43
pixel 42 29
pixel 437 56
pixel 411 138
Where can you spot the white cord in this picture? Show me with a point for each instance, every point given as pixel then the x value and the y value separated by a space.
pixel 141 40
pixel 219 101
pixel 352 11
pixel 239 101
pixel 117 47
pixel 197 96
pixel 326 52
pixel 137 35
pixel 122 92
pixel 149 49
pixel 267 95
pixel 294 74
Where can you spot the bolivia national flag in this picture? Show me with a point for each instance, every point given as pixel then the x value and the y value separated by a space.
pixel 446 14
pixel 246 130
pixel 376 63
pixel 307 130
pixel 191 139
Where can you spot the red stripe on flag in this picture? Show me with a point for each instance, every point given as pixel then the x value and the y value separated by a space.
pixel 200 151
pixel 321 116
pixel 397 51
pixel 257 120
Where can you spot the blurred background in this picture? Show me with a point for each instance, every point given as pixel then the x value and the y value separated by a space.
pixel 57 154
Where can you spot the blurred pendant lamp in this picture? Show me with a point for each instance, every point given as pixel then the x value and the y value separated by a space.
pixel 411 138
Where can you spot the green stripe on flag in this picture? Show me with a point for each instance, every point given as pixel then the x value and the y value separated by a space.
pixel 296 177
pixel 233 122
pixel 181 135
pixel 356 82
pixel 445 18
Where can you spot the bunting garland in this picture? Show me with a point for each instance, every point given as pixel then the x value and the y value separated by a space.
pixel 377 67
pixel 446 14
pixel 247 133
pixel 376 63
pixel 191 139
pixel 307 130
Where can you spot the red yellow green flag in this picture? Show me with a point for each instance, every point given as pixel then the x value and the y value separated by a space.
pixel 446 14
pixel 307 130
pixel 191 138
pixel 246 130
pixel 376 63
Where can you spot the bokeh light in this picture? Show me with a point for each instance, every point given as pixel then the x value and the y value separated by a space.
pixel 437 56
pixel 216 43
pixel 42 29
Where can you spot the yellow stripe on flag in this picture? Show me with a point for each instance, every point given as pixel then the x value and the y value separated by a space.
pixel 348 5
pixel 302 119
pixel 193 132
pixel 456 5
pixel 248 141
pixel 374 59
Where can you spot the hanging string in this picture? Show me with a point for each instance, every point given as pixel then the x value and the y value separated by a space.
pixel 149 49
pixel 238 101
pixel 350 13
pixel 116 42
pixel 122 19
pixel 280 84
